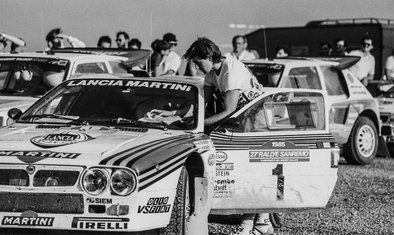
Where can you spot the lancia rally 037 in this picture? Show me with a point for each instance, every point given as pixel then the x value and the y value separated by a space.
pixel 90 155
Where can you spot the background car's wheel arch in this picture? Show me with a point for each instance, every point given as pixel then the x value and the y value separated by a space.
pixel 195 168
pixel 374 118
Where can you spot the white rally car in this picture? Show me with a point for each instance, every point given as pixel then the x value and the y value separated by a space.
pixel 90 155
pixel 354 114
pixel 26 76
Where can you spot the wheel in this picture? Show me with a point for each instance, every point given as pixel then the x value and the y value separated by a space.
pixel 277 219
pixel 181 208
pixel 362 145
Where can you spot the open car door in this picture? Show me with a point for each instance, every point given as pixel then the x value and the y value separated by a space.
pixel 276 154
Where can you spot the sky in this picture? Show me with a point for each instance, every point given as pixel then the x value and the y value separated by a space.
pixel 188 19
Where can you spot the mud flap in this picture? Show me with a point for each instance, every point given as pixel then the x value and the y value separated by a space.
pixel 383 150
pixel 198 221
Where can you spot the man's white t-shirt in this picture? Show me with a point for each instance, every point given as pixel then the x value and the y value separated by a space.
pixel 365 66
pixel 233 75
pixel 171 62
pixel 245 55
pixel 390 65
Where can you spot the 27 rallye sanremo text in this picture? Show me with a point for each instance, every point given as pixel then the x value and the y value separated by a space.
pixel 90 155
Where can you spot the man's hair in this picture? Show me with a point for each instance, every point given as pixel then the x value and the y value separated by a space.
pixel 203 48
pixel 239 36
pixel 135 41
pixel 126 36
pixel 102 39
pixel 162 45
pixel 4 42
pixel 282 48
pixel 52 34
pixel 340 39
pixel 366 37
pixel 325 43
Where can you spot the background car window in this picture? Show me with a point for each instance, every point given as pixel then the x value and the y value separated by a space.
pixel 302 77
pixel 284 111
pixel 335 84
pixel 3 76
pixel 117 67
pixel 267 74
pixel 97 67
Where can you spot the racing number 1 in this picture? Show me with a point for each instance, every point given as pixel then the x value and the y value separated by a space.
pixel 278 170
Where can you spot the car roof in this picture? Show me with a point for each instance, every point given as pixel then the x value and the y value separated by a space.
pixel 61 55
pixel 301 61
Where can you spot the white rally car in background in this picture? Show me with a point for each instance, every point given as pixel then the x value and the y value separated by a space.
pixel 26 76
pixel 91 156
pixel 354 114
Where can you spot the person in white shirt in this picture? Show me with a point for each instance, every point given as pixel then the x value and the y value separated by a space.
pixel 16 43
pixel 172 62
pixel 240 52
pixel 389 67
pixel 55 39
pixel 364 69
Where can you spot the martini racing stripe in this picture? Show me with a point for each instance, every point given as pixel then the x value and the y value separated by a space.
pixel 158 150
pixel 152 175
pixel 126 153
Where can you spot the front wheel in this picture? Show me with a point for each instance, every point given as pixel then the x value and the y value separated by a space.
pixel 181 208
pixel 362 145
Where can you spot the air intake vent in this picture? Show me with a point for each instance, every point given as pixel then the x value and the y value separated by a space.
pixel 51 126
pixel 131 129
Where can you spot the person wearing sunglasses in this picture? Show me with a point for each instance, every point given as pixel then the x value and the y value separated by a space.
pixel 364 69
pixel 171 62
pixel 122 39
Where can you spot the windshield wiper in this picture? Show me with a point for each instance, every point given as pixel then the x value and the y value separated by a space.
pixel 74 119
pixel 121 120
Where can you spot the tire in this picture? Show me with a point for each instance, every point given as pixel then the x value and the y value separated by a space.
pixel 181 208
pixel 277 219
pixel 362 145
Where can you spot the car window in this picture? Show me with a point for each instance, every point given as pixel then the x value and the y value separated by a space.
pixel 96 67
pixel 267 74
pixel 284 111
pixel 302 77
pixel 117 67
pixel 335 83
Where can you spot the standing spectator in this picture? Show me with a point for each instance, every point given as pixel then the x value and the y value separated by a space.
pixel 135 44
pixel 172 62
pixel 16 43
pixel 325 49
pixel 104 42
pixel 55 39
pixel 340 48
pixel 281 51
pixel 161 49
pixel 389 67
pixel 122 39
pixel 364 70
pixel 240 52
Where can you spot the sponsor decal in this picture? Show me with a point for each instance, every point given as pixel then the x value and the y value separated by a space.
pixel 224 169
pixel 127 83
pixel 99 200
pixel 28 221
pixel 60 139
pixel 211 159
pixel 100 223
pixel 155 205
pixel 35 156
pixel 293 155
pixel 221 156
pixel 223 188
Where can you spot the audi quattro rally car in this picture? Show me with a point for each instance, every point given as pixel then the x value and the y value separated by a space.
pixel 354 114
pixel 26 76
pixel 276 154
pixel 91 155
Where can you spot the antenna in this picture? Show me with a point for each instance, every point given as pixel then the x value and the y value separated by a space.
pixel 150 41
pixel 42 29
pixel 265 42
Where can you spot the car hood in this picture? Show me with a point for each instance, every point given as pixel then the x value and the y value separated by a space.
pixel 88 145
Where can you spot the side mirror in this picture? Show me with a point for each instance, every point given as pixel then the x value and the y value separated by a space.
pixel 230 123
pixel 14 113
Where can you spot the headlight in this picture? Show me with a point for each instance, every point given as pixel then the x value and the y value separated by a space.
pixel 95 181
pixel 123 182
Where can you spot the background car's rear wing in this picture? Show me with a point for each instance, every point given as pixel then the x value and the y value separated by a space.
pixel 344 62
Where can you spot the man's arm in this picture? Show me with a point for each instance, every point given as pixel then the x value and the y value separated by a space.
pixel 230 104
pixel 13 39
pixel 74 42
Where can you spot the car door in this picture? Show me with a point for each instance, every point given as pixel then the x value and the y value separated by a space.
pixel 275 154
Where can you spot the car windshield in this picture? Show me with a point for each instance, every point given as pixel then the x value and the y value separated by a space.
pixel 30 76
pixel 267 74
pixel 114 102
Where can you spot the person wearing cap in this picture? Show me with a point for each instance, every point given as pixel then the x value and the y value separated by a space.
pixel 16 43
pixel 55 39
pixel 172 62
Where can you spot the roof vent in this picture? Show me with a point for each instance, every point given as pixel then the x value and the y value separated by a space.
pixel 132 129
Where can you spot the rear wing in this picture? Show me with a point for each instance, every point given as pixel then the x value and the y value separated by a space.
pixel 344 62
pixel 135 57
